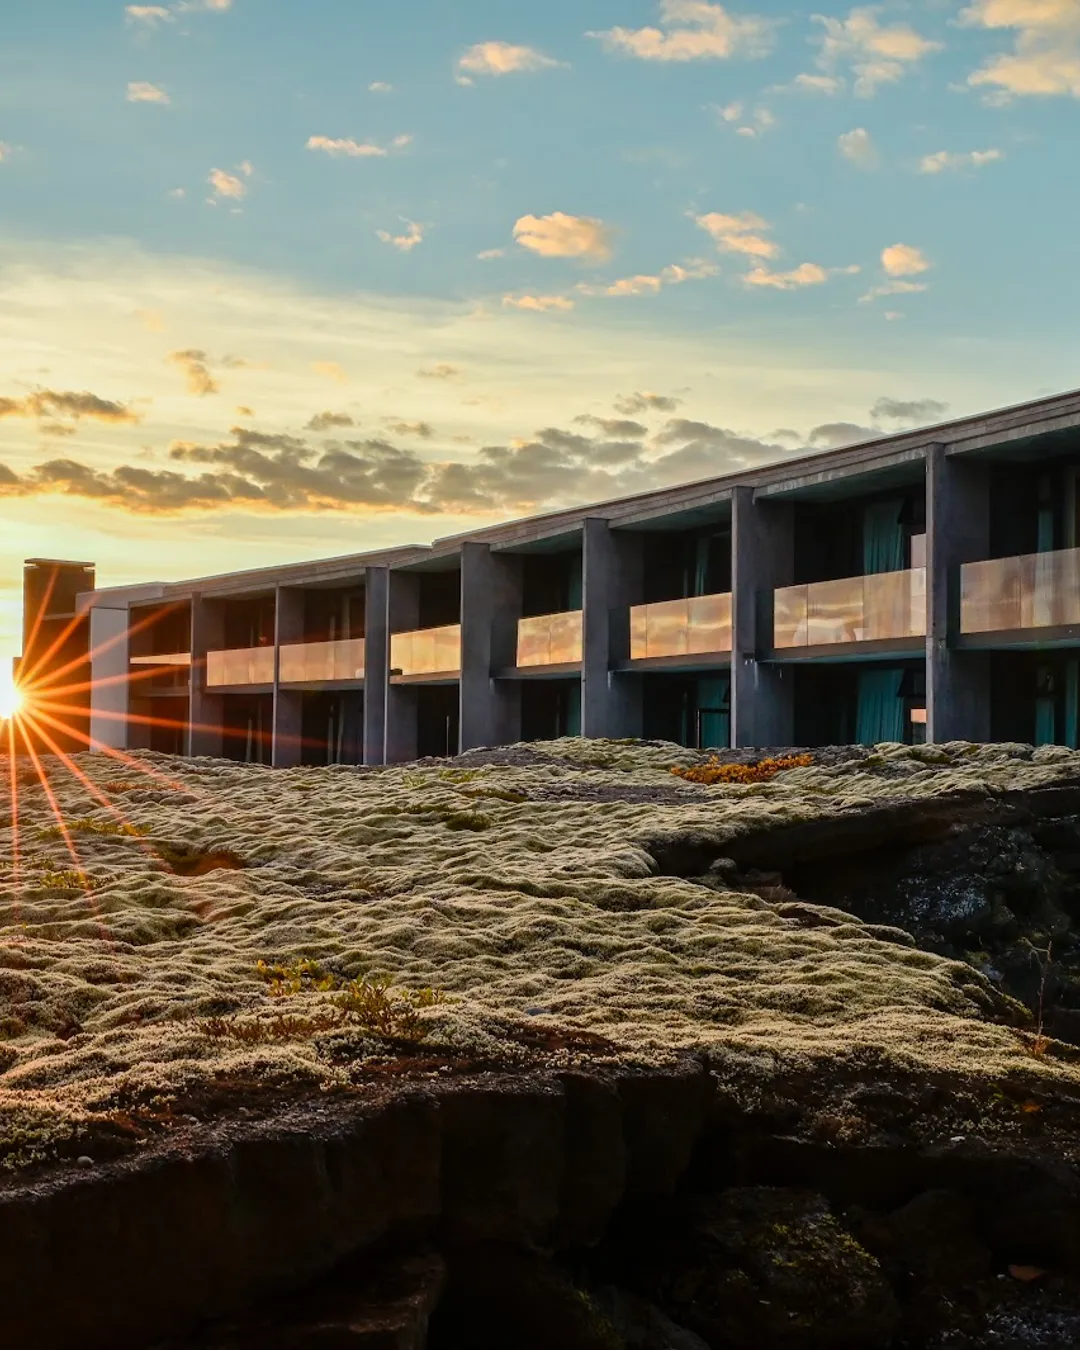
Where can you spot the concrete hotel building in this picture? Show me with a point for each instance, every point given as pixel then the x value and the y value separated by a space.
pixel 921 586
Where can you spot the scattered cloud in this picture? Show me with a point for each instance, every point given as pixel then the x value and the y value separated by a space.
pixel 380 87
pixel 943 161
pixel 151 319
pixel 806 274
pixel 630 405
pixel 352 149
pixel 227 185
pixel 490 253
pixel 195 365
pixel 501 58
pixel 1045 60
pixel 903 260
pixel 139 91
pixel 563 236
pixel 694 30
pixel 422 429
pixel 443 371
pixel 911 412
pixel 738 234
pixel 539 303
pixel 808 83
pixel 330 370
pixel 404 243
pixel 876 53
pixel 620 427
pixel 326 421
pixel 694 269
pixel 895 287
pixel 752 125
pixel 858 147
pixel 148 14
pixel 45 403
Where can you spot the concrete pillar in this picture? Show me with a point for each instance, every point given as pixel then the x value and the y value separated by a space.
pixel 763 558
pixel 403 609
pixel 205 719
pixel 490 608
pixel 376 662
pixel 611 583
pixel 288 715
pixel 957 531
pixel 109 698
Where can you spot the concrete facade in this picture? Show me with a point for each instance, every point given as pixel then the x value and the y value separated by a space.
pixel 829 633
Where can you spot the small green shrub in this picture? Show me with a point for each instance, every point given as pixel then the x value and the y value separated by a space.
pixel 373 1005
pixel 88 825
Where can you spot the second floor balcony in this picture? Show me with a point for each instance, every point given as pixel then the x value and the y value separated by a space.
pixel 550 639
pixel 878 607
pixel 1031 591
pixel 240 667
pixel 426 652
pixel 697 625
pixel 322 662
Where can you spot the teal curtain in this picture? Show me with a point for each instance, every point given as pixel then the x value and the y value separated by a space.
pixel 574 588
pixel 883 537
pixel 1046 529
pixel 880 713
pixel 1072 703
pixel 713 700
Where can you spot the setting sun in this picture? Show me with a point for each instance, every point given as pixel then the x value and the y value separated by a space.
pixel 11 697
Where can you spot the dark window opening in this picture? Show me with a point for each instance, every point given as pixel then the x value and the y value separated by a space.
pixel 550 709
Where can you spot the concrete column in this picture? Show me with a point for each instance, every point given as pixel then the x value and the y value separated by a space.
pixel 490 608
pixel 403 609
pixel 287 734
pixel 611 583
pixel 205 719
pixel 957 531
pixel 109 696
pixel 376 662
pixel 763 558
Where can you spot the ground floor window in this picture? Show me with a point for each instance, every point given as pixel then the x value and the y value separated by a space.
pixel 1035 697
pixel 860 703
pixel 550 709
pixel 691 710
pixel 332 728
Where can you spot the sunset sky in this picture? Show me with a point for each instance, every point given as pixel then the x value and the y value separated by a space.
pixel 283 280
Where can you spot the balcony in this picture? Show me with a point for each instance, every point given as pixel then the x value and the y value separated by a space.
pixel 240 666
pixel 427 651
pixel 322 662
pixel 880 607
pixel 170 659
pixel 693 626
pixel 550 640
pixel 1035 590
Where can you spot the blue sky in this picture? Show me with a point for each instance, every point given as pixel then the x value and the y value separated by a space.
pixel 282 279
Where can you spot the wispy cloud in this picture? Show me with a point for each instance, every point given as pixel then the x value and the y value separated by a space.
pixel 538 303
pixel 738 234
pixel 942 161
pixel 330 370
pixel 749 124
pixel 694 269
pixel 1045 59
pixel 857 146
pixel 563 236
pixel 631 405
pixel 353 149
pixel 500 58
pixel 380 87
pixel 404 243
pixel 694 30
pixel 328 421
pixel 138 91
pixel 806 274
pixel 195 365
pixel 875 53
pixel 445 370
pixel 490 253
pixel 45 403
pixel 148 14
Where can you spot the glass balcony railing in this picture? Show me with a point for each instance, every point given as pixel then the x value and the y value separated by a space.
pixel 689 627
pixel 240 665
pixel 1035 590
pixel 871 608
pixel 550 639
pixel 428 651
pixel 322 662
pixel 170 659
